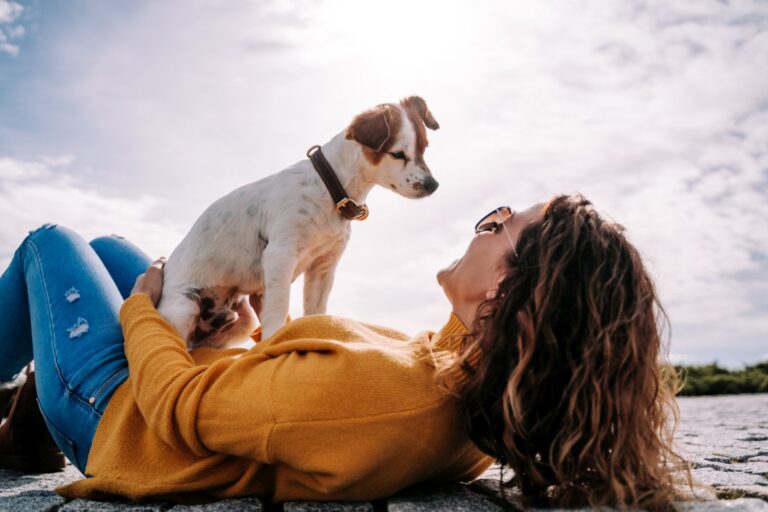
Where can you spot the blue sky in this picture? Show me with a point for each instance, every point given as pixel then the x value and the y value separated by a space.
pixel 131 117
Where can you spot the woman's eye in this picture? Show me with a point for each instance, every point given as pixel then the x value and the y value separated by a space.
pixel 399 155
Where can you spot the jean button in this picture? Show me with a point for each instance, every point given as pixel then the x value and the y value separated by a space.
pixel 92 400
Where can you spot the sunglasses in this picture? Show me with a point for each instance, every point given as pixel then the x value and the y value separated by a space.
pixel 495 221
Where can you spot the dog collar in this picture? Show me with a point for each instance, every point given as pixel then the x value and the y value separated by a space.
pixel 344 204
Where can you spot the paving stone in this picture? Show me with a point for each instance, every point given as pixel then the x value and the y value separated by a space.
pixel 753 468
pixel 33 492
pixel 111 506
pixel 455 497
pixel 754 436
pixel 701 493
pixel 583 509
pixel 725 438
pixel 723 453
pixel 249 504
pixel 741 504
pixel 326 506
pixel 42 501
pixel 722 478
pixel 15 482
pixel 748 491
pixel 490 487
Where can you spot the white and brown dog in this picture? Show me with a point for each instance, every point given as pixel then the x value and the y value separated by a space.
pixel 257 239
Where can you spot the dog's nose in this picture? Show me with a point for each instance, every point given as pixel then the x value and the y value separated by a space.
pixel 430 184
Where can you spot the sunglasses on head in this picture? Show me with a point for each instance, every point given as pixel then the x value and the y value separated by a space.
pixel 494 221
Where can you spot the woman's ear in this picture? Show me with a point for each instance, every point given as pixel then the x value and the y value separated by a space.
pixel 376 128
pixel 494 289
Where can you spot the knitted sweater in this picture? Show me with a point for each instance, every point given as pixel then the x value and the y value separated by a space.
pixel 325 409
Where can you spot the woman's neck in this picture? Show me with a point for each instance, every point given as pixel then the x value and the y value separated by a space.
pixel 466 313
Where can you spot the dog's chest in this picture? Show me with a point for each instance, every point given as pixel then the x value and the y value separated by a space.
pixel 321 248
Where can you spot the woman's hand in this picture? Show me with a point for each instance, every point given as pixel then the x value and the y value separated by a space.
pixel 151 282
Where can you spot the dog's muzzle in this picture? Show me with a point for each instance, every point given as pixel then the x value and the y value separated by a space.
pixel 430 184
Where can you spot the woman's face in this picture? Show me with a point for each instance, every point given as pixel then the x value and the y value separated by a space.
pixel 472 278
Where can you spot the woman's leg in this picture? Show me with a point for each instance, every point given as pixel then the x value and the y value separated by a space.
pixel 58 293
pixel 124 261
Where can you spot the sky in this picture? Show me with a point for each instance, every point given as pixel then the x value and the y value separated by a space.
pixel 132 117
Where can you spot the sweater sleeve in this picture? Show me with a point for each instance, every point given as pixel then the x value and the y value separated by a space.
pixel 168 387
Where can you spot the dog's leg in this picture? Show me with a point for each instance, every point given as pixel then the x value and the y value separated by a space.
pixel 256 304
pixel 318 281
pixel 279 264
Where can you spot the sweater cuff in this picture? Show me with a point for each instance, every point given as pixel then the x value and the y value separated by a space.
pixel 135 303
pixel 138 308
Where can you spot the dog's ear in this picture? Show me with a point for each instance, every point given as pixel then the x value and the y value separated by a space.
pixel 375 128
pixel 417 103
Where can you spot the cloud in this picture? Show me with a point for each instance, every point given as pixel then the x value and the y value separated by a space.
pixel 654 110
pixel 48 190
pixel 9 13
pixel 7 47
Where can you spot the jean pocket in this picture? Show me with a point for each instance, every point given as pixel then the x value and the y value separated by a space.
pixel 104 393
pixel 64 443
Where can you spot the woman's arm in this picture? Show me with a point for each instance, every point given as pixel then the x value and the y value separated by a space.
pixel 169 388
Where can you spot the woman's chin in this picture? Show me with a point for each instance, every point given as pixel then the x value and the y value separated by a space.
pixel 443 275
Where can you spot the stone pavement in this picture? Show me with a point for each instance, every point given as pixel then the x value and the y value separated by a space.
pixel 725 438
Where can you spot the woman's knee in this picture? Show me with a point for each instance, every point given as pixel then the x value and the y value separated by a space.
pixel 54 237
pixel 109 246
pixel 38 231
pixel 112 239
pixel 123 260
pixel 50 230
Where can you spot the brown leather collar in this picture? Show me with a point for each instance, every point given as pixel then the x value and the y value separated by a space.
pixel 345 206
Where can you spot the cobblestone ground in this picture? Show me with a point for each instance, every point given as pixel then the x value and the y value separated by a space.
pixel 725 438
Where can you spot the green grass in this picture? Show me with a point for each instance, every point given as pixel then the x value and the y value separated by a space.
pixel 712 379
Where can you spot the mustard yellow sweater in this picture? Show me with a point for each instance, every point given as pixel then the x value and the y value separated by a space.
pixel 325 409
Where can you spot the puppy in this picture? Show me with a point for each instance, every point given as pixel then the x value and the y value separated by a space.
pixel 239 259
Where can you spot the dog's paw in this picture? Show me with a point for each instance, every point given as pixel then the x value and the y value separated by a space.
pixel 225 326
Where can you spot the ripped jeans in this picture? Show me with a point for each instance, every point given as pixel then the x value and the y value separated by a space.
pixel 59 302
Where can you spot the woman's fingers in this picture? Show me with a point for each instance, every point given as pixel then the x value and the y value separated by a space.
pixel 159 263
pixel 151 281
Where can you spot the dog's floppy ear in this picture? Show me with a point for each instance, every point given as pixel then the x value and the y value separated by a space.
pixel 417 103
pixel 375 128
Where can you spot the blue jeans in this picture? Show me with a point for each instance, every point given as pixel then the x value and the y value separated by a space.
pixel 59 303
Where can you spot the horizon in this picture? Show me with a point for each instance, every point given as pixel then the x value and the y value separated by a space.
pixel 131 118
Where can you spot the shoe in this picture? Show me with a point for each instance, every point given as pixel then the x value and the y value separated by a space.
pixel 6 397
pixel 8 391
pixel 25 443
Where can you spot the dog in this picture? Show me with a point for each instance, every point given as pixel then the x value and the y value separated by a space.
pixel 236 265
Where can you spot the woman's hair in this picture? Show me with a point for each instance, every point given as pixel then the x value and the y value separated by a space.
pixel 564 375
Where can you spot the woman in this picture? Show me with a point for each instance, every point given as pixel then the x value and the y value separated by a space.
pixel 549 362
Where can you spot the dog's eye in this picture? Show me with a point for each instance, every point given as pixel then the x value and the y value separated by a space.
pixel 399 155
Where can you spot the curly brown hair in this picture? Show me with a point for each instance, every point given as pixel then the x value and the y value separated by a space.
pixel 566 379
